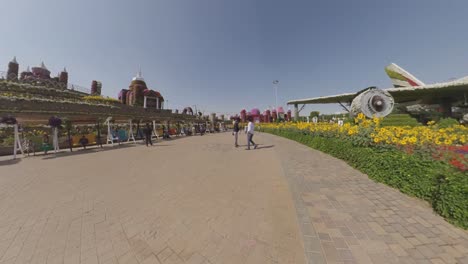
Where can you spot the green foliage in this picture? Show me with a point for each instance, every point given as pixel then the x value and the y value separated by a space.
pixel 101 100
pixel 314 113
pixel 436 182
pixel 399 120
pixel 430 115
pixel 68 125
pixel 447 122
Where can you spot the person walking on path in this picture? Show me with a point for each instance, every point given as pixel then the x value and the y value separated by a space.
pixel 236 132
pixel 148 131
pixel 250 134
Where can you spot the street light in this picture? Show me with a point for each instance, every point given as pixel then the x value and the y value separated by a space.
pixel 275 84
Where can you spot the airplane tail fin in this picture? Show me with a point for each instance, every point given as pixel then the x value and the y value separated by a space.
pixel 400 77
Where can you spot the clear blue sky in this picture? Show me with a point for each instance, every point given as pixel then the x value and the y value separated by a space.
pixel 224 55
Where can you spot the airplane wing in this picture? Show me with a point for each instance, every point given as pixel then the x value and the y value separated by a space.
pixel 333 99
pixel 453 91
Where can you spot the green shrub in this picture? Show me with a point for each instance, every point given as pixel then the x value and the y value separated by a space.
pixel 436 182
pixel 447 122
pixel 400 120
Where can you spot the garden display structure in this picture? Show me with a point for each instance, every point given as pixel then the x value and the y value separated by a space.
pixel 32 102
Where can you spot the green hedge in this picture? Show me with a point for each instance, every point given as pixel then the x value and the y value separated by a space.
pixel 400 120
pixel 436 182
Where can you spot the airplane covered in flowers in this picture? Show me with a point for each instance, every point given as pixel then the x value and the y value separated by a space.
pixel 407 91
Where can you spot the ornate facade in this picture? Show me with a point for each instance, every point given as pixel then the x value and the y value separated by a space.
pixel 138 94
pixel 39 73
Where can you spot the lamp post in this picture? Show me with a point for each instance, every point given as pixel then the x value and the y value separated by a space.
pixel 275 84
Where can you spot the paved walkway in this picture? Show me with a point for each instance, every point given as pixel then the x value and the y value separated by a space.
pixel 347 218
pixel 199 200
pixel 191 200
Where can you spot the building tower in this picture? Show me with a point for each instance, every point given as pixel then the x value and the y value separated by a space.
pixel 26 74
pixel 96 87
pixel 63 77
pixel 13 68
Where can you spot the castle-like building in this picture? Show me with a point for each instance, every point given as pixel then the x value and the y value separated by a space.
pixel 138 94
pixel 39 73
pixel 266 117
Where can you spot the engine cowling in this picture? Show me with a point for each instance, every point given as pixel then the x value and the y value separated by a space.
pixel 372 103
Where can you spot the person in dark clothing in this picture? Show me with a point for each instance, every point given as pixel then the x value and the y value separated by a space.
pixel 236 132
pixel 84 141
pixel 148 131
pixel 202 130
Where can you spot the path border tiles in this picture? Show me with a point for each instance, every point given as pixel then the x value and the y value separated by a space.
pixel 345 217
pixel 312 247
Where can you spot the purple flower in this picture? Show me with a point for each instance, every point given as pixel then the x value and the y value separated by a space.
pixel 9 120
pixel 55 121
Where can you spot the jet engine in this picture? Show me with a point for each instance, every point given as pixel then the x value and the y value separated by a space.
pixel 372 102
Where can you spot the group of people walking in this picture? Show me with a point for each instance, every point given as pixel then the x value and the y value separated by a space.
pixel 249 130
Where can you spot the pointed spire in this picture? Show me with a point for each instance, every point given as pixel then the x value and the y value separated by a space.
pixel 64 69
pixel 43 66
pixel 14 60
pixel 139 76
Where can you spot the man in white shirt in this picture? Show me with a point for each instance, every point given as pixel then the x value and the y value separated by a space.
pixel 250 134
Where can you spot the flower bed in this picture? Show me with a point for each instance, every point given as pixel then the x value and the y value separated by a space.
pixel 405 162
pixel 97 99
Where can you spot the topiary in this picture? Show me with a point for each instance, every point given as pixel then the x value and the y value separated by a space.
pixel 447 122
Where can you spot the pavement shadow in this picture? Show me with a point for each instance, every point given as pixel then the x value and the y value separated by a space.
pixel 260 146
pixel 265 147
pixel 10 162
pixel 88 150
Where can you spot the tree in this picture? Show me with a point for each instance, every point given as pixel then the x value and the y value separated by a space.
pixel 68 127
pixel 314 113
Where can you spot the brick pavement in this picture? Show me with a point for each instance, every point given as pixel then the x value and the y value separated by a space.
pixel 347 218
pixel 199 200
pixel 193 200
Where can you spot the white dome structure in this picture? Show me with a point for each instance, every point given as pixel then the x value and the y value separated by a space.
pixel 139 76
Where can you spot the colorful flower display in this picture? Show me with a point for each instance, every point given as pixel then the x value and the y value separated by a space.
pixel 449 144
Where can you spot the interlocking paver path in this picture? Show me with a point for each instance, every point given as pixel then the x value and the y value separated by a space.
pixel 347 218
pixel 199 200
pixel 191 200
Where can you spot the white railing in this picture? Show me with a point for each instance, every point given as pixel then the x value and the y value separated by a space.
pixel 74 87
